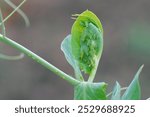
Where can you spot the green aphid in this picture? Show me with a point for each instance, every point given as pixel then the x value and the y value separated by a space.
pixel 87 41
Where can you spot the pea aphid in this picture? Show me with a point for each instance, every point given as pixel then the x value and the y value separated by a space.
pixel 87 41
pixel 89 47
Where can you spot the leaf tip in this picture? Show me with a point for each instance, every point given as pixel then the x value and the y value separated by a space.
pixel 140 70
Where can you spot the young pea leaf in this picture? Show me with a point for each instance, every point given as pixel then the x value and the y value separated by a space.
pixel 87 42
pixel 90 91
pixel 66 48
pixel 116 92
pixel 133 92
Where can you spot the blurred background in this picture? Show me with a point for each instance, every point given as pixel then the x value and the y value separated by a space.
pixel 126 46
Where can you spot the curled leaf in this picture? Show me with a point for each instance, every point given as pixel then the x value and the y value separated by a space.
pixel 87 42
pixel 66 48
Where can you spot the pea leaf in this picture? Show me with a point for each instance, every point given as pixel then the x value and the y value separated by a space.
pixel 133 92
pixel 87 42
pixel 116 92
pixel 90 91
pixel 66 48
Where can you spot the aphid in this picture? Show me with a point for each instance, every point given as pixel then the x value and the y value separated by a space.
pixel 87 42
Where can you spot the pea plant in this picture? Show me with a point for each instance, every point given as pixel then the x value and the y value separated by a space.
pixel 82 49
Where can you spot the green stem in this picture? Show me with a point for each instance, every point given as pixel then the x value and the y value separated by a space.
pixel 40 60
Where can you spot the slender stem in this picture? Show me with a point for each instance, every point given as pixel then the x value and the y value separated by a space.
pixel 39 60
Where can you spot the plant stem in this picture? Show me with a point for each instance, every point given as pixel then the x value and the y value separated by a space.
pixel 38 59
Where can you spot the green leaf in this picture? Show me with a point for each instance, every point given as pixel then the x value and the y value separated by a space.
pixel 116 92
pixel 87 42
pixel 133 92
pixel 66 48
pixel 90 91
